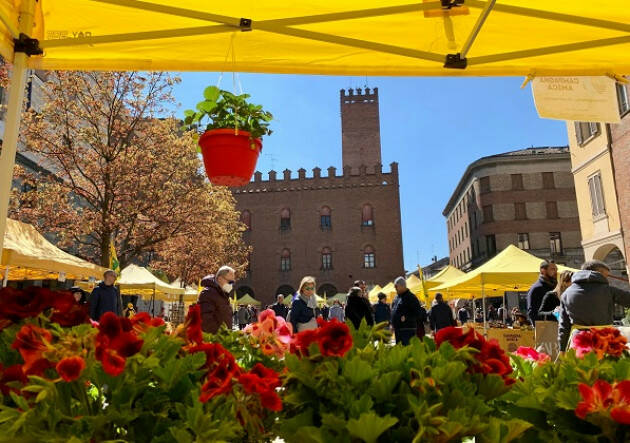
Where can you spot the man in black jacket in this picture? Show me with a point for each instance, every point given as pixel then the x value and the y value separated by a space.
pixel 405 318
pixel 280 308
pixel 546 282
pixel 105 297
pixel 441 315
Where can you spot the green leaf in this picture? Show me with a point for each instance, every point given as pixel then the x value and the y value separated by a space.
pixel 369 426
pixel 357 371
pixel 211 93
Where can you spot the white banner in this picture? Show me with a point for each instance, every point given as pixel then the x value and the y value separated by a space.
pixel 585 99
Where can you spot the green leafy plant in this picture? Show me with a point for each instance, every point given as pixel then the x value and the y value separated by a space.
pixel 222 109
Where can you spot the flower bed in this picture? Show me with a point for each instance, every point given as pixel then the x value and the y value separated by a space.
pixel 64 378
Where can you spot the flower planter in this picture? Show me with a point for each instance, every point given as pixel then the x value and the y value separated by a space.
pixel 229 157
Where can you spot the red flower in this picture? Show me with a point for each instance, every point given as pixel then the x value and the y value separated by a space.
pixel 263 382
pixel 13 373
pixel 602 341
pixel 334 338
pixel 17 304
pixel 73 316
pixel 70 368
pixel 214 386
pixel 302 341
pixel 193 325
pixel 31 342
pixel 113 364
pixel 602 398
pixel 115 342
pixel 621 399
pixel 491 358
pixel 271 400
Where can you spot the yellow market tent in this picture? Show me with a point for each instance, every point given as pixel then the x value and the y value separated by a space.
pixel 136 280
pixel 446 274
pixel 27 255
pixel 390 291
pixel 373 294
pixel 247 300
pixel 511 270
pixel 414 284
pixel 190 295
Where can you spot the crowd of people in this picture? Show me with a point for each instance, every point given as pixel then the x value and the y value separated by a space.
pixel 573 300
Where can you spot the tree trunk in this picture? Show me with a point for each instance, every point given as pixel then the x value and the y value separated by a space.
pixel 105 251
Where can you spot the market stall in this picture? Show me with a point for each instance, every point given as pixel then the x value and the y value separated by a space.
pixel 511 270
pixel 27 255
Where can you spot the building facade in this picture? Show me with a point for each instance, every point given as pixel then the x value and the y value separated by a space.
pixel 525 198
pixel 601 167
pixel 337 228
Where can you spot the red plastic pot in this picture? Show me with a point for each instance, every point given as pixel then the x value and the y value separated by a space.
pixel 229 158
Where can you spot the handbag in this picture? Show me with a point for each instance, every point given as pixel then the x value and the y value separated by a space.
pixel 311 324
pixel 547 338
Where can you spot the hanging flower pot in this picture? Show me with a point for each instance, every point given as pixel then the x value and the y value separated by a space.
pixel 229 157
pixel 231 142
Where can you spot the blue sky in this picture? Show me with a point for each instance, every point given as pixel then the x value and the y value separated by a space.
pixel 434 127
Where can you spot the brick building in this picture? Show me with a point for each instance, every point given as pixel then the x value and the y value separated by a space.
pixel 338 228
pixel 619 144
pixel 526 198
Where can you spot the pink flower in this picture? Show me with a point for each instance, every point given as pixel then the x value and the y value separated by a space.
pixel 271 333
pixel 531 354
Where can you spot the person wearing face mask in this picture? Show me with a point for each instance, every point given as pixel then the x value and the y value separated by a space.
pixel 214 300
pixel 302 314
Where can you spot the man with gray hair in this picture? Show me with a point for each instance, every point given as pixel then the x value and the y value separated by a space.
pixel 589 301
pixel 214 300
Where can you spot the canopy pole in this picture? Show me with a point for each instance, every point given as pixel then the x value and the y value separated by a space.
pixel 153 303
pixel 5 280
pixel 13 115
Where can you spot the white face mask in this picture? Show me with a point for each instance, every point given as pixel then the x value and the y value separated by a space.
pixel 227 287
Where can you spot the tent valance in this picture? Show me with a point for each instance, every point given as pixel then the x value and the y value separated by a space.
pixel 29 256
pixel 511 270
pixel 136 280
pixel 391 37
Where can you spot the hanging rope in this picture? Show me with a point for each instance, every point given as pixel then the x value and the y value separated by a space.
pixel 235 77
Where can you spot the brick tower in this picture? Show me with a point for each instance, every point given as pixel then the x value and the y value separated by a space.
pixel 360 128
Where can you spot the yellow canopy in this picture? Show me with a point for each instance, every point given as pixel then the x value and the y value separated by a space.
pixel 384 37
pixel 373 294
pixel 511 270
pixel 446 274
pixel 390 291
pixel 29 256
pixel 414 284
pixel 247 300
pixel 136 280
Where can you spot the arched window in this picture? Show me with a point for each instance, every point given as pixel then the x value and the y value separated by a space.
pixel 246 219
pixel 327 259
pixel 285 219
pixel 369 257
pixel 285 290
pixel 245 290
pixel 285 260
pixel 325 218
pixel 367 215
pixel 327 290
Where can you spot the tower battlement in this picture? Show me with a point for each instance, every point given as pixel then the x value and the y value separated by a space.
pixel 349 178
pixel 358 95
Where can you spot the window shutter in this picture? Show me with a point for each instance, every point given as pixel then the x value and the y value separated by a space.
pixel 578 133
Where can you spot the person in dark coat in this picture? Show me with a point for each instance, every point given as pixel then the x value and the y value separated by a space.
pixel 214 300
pixel 463 315
pixel 302 315
pixel 551 300
pixel 423 317
pixel 105 297
pixel 357 309
pixel 406 312
pixel 441 315
pixel 546 282
pixel 325 312
pixel 382 311
pixel 589 301
pixel 280 309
